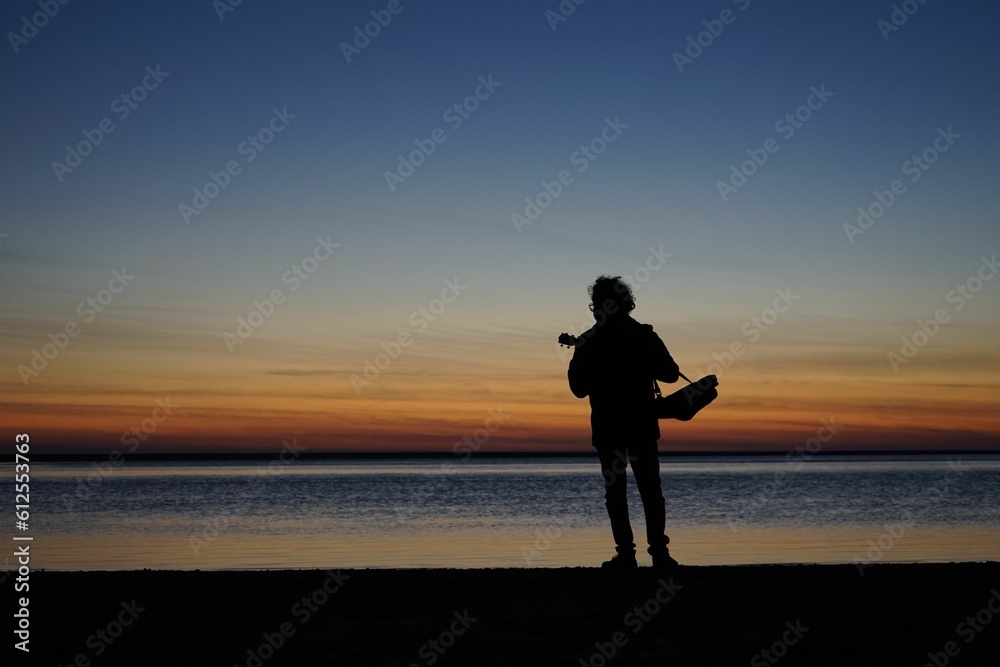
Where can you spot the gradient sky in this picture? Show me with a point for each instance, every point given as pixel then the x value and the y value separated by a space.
pixel 493 348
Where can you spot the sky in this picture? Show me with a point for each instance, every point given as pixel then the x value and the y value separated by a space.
pixel 230 228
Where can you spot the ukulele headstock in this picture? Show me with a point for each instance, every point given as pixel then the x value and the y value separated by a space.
pixel 567 340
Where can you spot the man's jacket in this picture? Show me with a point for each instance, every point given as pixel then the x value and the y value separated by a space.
pixel 614 364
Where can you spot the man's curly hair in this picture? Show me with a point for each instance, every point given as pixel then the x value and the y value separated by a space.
pixel 613 289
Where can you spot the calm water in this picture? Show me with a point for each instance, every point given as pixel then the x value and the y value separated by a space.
pixel 506 513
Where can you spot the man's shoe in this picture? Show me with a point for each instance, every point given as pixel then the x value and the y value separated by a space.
pixel 665 562
pixel 620 562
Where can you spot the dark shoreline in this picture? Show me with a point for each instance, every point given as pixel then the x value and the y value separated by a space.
pixel 893 614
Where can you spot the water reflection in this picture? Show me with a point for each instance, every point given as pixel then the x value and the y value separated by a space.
pixel 508 513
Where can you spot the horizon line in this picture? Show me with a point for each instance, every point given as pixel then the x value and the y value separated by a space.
pixel 396 455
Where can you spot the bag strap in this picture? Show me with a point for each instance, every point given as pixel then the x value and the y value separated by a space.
pixel 656 386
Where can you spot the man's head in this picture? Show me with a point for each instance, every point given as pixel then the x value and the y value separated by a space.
pixel 610 297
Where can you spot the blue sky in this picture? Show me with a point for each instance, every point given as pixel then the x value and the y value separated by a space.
pixel 656 184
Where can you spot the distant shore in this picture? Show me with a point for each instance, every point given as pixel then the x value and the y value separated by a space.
pixel 448 455
pixel 895 614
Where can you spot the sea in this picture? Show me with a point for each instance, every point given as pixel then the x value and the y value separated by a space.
pixel 509 512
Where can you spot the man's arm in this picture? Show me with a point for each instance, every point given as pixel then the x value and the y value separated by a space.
pixel 664 366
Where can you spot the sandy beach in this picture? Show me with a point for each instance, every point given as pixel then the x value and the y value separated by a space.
pixel 758 615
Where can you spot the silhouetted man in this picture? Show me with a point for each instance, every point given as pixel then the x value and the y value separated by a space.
pixel 615 363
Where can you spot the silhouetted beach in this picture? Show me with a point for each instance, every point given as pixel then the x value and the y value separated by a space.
pixel 736 615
